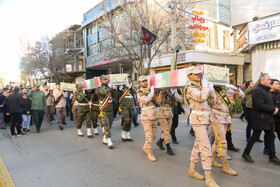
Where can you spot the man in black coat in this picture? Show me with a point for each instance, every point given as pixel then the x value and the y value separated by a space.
pixel 14 109
pixel 262 117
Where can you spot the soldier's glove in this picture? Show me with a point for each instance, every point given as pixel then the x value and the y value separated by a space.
pixel 204 82
pixel 211 86
pixel 152 89
pixel 121 88
pixel 231 86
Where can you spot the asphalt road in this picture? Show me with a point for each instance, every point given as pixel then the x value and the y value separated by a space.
pixel 61 158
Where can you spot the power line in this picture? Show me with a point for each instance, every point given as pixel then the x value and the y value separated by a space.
pixel 161 7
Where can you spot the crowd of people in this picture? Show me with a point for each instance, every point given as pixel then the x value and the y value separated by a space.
pixel 211 108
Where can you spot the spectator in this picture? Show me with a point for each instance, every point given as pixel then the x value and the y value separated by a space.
pixel 177 109
pixel 243 102
pixel 60 104
pixel 15 111
pixel 26 112
pixel 2 109
pixel 262 118
pixel 250 86
pixel 38 104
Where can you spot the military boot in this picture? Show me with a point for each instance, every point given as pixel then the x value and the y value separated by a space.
pixel 79 132
pixel 214 162
pixel 89 135
pixel 169 150
pixel 193 173
pixel 209 181
pixel 225 167
pixel 95 130
pixel 145 149
pixel 159 144
pixel 123 136
pixel 128 138
pixel 151 156
pixel 105 140
pixel 110 143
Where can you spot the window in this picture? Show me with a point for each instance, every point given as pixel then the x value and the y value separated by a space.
pixel 94 50
pixel 226 39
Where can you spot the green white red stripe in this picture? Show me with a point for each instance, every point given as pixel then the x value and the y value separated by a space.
pixel 105 101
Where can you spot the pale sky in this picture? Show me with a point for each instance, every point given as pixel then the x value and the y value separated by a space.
pixel 34 19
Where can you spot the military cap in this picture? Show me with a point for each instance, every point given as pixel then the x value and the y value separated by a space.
pixel 103 77
pixel 79 85
pixel 45 85
pixel 194 70
pixel 29 87
pixel 142 78
pixel 36 85
pixel 57 84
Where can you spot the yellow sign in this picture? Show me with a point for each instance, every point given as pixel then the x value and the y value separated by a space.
pixel 216 75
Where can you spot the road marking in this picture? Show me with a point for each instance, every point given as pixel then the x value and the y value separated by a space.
pixel 5 177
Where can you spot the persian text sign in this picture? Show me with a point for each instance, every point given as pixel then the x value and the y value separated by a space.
pixel 118 79
pixel 68 86
pixel 215 74
pixel 264 30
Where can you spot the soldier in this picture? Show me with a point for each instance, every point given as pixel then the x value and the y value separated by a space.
pixel 166 99
pixel 60 104
pixel 126 107
pixel 149 114
pixel 199 96
pixel 49 111
pixel 104 94
pixel 94 111
pixel 74 107
pixel 83 110
pixel 221 118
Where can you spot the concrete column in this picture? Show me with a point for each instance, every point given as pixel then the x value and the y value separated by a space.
pixel 76 63
pixel 216 36
pixel 240 73
pixel 234 40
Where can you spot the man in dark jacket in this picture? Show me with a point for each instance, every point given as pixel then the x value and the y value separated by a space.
pixel 14 109
pixel 262 114
pixel 2 107
pixel 276 99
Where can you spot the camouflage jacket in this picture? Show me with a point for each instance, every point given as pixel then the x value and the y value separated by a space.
pixel 83 100
pixel 127 102
pixel 101 92
pixel 94 101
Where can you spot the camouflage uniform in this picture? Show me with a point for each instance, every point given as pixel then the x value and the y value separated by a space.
pixel 83 109
pixel 149 116
pixel 74 108
pixel 197 98
pixel 127 108
pixel 107 118
pixel 221 118
pixel 94 109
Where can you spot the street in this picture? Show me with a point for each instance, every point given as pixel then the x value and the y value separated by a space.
pixel 61 158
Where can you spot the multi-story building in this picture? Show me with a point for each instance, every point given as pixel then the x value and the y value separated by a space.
pixel 257 35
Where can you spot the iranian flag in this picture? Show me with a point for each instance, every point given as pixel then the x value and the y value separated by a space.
pixel 176 78
pixel 91 83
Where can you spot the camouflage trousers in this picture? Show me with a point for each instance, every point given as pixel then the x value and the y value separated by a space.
pixel 150 129
pixel 94 117
pixel 106 123
pixel 165 124
pixel 81 116
pixel 220 143
pixel 202 146
pixel 75 113
pixel 127 116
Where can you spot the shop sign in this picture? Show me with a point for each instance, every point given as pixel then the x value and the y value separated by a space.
pixel 264 30
pixel 242 41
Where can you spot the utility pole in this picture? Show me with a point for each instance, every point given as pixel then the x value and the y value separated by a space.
pixel 173 35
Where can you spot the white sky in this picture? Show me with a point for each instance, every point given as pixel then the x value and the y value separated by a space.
pixel 34 19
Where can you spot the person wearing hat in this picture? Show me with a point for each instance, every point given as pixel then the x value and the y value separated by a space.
pixel 49 111
pixel 38 105
pixel 149 114
pixel 126 107
pixel 83 110
pixel 166 100
pixel 199 95
pixel 15 111
pixel 221 118
pixel 104 93
pixel 60 104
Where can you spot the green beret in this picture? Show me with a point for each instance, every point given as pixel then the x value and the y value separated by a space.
pixel 79 85
pixel 103 77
